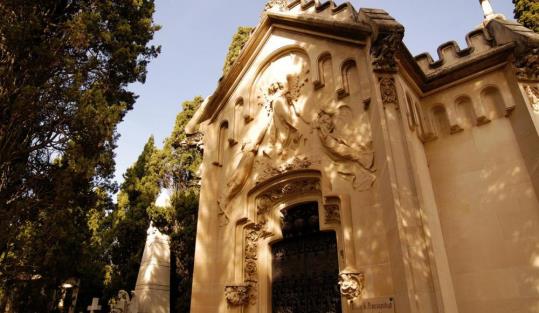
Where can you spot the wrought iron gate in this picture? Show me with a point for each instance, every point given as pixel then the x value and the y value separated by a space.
pixel 305 265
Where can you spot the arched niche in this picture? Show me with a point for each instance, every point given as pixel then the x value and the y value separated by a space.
pixel 466 117
pixel 493 103
pixel 325 71
pixel 440 120
pixel 221 144
pixel 349 78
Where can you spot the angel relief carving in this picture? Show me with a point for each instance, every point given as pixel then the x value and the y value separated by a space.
pixel 361 158
pixel 280 104
pixel 282 135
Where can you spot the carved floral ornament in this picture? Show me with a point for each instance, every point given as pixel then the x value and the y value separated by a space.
pixel 280 5
pixel 388 91
pixel 237 295
pixel 351 285
pixel 527 66
pixel 533 97
pixel 383 50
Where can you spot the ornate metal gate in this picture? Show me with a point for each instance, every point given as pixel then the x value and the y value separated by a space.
pixel 305 265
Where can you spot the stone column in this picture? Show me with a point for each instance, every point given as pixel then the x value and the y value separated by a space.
pixel 152 291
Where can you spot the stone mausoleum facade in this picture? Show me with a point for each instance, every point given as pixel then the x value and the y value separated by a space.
pixel 343 174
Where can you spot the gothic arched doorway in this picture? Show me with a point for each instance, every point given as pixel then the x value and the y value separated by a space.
pixel 305 265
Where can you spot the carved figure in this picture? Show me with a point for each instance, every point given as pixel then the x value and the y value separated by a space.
pixel 280 97
pixel 120 303
pixel 351 285
pixel 533 96
pixel 341 152
pixel 237 295
pixel 282 134
pixel 239 177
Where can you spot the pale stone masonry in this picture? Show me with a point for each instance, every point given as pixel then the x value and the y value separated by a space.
pixel 152 290
pixel 425 171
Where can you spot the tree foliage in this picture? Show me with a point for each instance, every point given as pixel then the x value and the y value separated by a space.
pixel 527 13
pixel 179 162
pixel 130 221
pixel 64 69
pixel 238 41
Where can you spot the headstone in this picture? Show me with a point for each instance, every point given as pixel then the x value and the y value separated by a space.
pixel 94 307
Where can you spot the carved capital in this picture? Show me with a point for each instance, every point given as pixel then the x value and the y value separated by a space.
pixel 388 91
pixel 527 65
pixel 237 295
pixel 383 50
pixel 533 97
pixel 351 285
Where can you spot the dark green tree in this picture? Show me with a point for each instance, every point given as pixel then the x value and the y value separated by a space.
pixel 238 41
pixel 527 13
pixel 64 69
pixel 130 221
pixel 179 162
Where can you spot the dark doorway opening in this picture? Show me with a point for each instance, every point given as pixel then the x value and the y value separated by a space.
pixel 305 265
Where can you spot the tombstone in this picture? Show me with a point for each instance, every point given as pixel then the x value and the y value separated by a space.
pixel 94 307
pixel 122 303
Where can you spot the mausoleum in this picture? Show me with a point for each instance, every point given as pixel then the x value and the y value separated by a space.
pixel 343 174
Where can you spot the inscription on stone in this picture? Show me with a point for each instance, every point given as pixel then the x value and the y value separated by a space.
pixel 375 305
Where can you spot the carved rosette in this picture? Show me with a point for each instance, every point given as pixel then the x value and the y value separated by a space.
pixel 533 97
pixel 351 285
pixel 383 50
pixel 388 91
pixel 237 295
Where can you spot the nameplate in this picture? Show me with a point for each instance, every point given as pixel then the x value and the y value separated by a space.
pixel 375 305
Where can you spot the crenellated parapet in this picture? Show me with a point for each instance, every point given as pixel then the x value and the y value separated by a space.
pixel 450 53
pixel 344 12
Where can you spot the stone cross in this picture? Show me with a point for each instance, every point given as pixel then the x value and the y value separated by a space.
pixel 94 307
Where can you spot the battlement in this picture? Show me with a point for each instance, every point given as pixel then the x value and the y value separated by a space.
pixel 450 54
pixel 344 12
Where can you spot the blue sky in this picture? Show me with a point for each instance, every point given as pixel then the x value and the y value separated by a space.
pixel 195 36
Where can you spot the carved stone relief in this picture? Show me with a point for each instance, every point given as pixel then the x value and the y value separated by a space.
pixel 344 154
pixel 254 232
pixel 259 230
pixel 278 99
pixel 527 66
pixel 332 214
pixel 280 5
pixel 267 170
pixel 388 91
pixel 533 96
pixel 279 102
pixel 237 295
pixel 351 285
pixel 383 51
